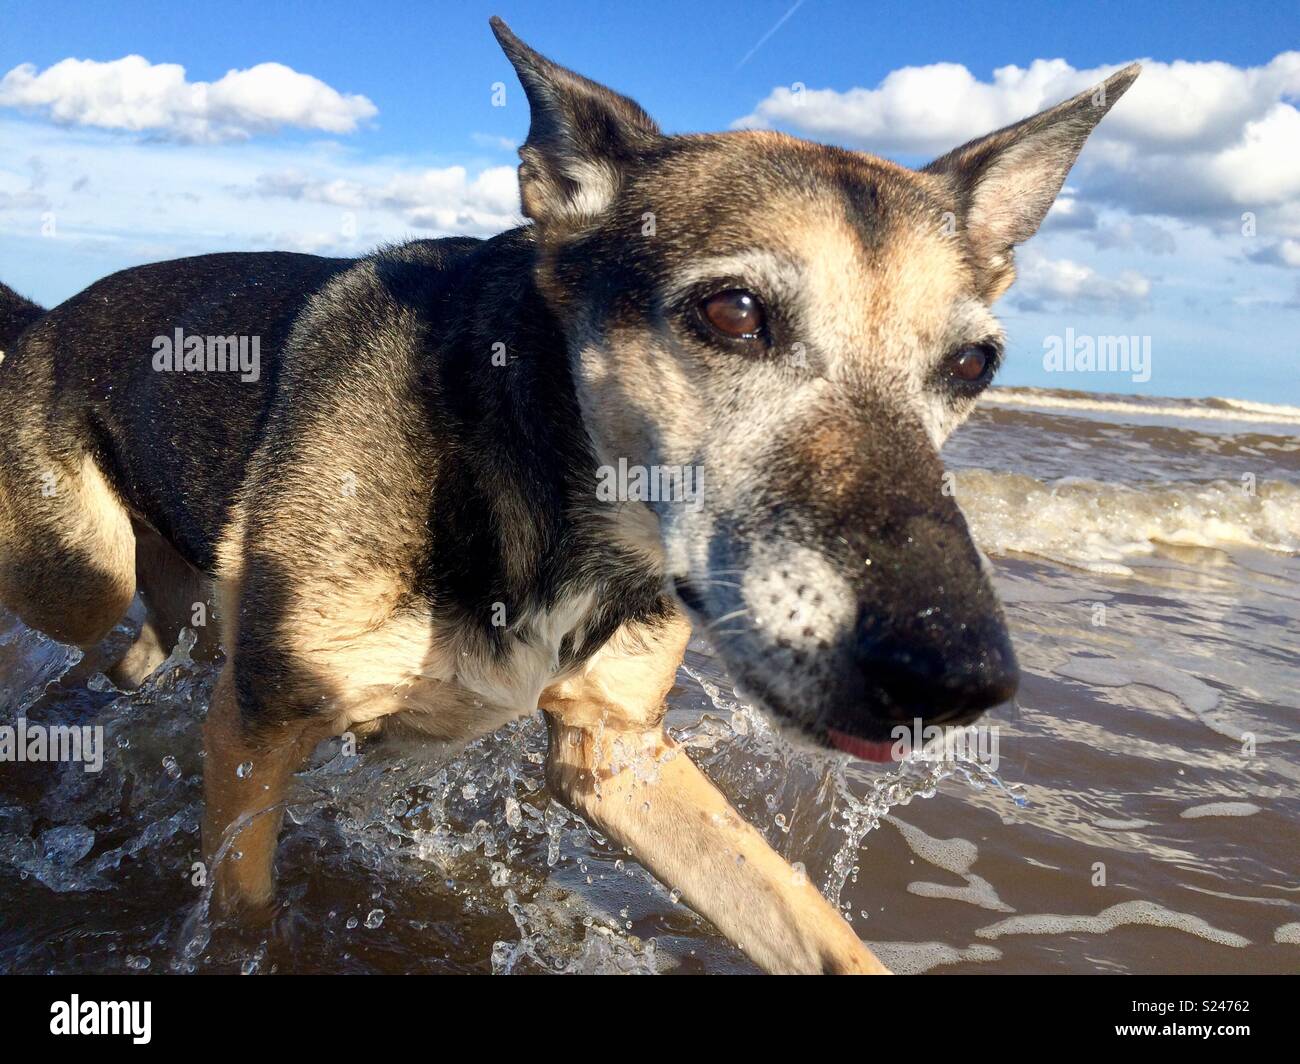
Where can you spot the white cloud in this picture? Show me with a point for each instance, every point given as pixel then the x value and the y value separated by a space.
pixel 1279 253
pixel 915 110
pixel 19 191
pixel 1196 140
pixel 493 141
pixel 1067 212
pixel 1045 283
pixel 147 201
pixel 1132 234
pixel 445 200
pixel 135 95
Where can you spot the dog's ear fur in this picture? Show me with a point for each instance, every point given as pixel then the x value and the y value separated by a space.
pixel 581 138
pixel 1005 183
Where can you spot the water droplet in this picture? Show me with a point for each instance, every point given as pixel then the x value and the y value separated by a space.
pixel 66 845
pixel 374 918
pixel 245 770
pixel 172 769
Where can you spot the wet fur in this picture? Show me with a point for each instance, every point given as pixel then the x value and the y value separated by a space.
pixel 387 523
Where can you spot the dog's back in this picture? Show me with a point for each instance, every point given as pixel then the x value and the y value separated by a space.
pixel 173 443
pixel 169 369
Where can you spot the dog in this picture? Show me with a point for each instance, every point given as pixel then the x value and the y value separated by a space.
pixel 390 477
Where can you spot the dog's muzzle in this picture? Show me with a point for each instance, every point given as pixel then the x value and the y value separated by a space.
pixel 930 642
pixel 927 643
pixel 949 681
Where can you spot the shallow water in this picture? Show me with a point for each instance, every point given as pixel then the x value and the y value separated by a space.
pixel 1142 816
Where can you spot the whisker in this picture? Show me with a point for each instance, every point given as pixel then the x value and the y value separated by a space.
pixel 707 581
pixel 726 617
pixel 728 632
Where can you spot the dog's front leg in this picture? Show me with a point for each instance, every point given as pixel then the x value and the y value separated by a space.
pixel 642 790
pixel 244 785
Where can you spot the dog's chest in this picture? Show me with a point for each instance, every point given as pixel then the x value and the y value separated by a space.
pixel 450 684
pixel 533 654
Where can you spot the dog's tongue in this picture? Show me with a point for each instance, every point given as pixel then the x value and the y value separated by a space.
pixel 863 748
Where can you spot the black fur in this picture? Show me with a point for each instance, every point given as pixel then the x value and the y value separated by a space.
pixel 173 444
pixel 16 314
pixel 406 336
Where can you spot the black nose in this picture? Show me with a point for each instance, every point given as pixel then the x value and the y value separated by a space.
pixel 946 672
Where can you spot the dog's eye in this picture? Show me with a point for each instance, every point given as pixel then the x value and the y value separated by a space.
pixel 972 364
pixel 735 313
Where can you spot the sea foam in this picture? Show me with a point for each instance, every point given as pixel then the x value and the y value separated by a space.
pixel 1097 525
pixel 1198 409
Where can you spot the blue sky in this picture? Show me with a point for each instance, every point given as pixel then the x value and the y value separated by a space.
pixel 382 126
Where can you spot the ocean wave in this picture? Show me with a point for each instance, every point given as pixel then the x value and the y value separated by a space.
pixel 1098 526
pixel 1213 409
pixel 1269 409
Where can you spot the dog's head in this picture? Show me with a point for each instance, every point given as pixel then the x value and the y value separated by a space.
pixel 771 340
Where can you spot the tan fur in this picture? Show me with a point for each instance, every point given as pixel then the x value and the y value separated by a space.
pixel 876 317
pixel 171 589
pixel 67 551
pixel 244 788
pixel 230 570
pixel 611 761
pixel 367 653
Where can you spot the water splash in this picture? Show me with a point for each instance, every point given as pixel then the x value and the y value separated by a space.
pixel 848 799
pixel 470 835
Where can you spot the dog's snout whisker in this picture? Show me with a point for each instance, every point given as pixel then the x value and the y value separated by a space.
pixel 712 625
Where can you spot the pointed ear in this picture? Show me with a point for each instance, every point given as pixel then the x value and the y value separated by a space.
pixel 1005 182
pixel 581 139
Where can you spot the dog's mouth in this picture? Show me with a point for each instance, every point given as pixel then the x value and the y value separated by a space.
pixel 873 748
pixel 868 721
pixel 867 738
pixel 879 751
